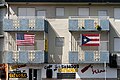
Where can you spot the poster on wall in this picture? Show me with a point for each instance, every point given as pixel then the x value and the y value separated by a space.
pixel 73 71
pixel 18 71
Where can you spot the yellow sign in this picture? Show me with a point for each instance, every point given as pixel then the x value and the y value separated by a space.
pixel 67 70
pixel 16 66
pixel 46 45
pixel 17 75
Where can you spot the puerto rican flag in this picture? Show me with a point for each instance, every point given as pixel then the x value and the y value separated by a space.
pixel 90 39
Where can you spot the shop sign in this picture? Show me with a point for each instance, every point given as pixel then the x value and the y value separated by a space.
pixel 63 67
pixel 94 71
pixel 66 76
pixel 17 66
pixel 68 70
pixel 16 72
pixel 17 75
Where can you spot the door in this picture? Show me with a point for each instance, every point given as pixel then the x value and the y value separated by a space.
pixel 34 74
pixel 118 74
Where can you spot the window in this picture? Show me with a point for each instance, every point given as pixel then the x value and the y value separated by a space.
pixel 59 41
pixel 59 11
pixel 41 13
pixel 26 11
pixel 117 14
pixel 102 14
pixel 83 12
pixel 117 44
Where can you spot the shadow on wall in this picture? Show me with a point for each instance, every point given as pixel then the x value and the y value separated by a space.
pixel 54 50
pixel 1 49
pixel 113 33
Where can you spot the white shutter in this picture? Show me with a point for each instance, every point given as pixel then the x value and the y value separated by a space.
pixel 26 12
pixel 83 12
pixel 117 13
pixel 116 44
pixel 22 12
pixel 41 13
pixel 30 11
pixel 102 14
pixel 59 11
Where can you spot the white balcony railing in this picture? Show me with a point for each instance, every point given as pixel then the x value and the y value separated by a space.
pixel 25 17
pixel 24 56
pixel 89 17
pixel 77 23
pixel 89 57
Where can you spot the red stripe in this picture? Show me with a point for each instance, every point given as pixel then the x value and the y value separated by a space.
pixel 24 44
pixel 94 39
pixel 90 34
pixel 28 40
pixel 90 44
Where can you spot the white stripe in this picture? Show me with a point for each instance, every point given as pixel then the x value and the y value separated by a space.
pixel 93 42
pixel 94 37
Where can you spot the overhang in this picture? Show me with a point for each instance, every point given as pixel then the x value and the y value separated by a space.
pixel 94 1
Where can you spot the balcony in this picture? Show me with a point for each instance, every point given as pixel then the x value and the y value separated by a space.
pixel 89 57
pixel 25 56
pixel 25 24
pixel 91 23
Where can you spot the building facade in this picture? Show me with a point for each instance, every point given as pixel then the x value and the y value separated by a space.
pixel 60 40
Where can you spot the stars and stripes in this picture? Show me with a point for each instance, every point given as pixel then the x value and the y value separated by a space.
pixel 25 39
pixel 90 39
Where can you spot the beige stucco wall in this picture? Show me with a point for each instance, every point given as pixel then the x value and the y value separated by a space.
pixel 58 26
pixel 69 10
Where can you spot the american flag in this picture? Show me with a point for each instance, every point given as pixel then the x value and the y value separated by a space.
pixel 25 39
pixel 90 39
